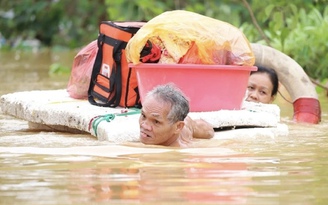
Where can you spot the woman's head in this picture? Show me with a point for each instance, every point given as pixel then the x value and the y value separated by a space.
pixel 262 85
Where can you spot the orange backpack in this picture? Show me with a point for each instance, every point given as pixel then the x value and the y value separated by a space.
pixel 113 83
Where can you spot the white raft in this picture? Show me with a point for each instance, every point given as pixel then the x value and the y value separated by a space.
pixel 54 110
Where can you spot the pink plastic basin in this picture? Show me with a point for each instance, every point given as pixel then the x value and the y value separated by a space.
pixel 208 87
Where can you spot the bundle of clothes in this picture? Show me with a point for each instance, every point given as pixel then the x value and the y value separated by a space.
pixel 185 37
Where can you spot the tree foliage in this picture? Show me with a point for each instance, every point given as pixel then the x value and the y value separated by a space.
pixel 297 28
pixel 53 22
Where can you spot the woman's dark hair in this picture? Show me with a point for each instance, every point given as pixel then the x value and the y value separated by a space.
pixel 272 75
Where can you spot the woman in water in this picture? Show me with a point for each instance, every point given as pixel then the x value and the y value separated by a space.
pixel 262 85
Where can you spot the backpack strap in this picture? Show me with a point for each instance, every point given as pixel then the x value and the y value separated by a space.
pixel 117 56
pixel 116 75
pixel 96 70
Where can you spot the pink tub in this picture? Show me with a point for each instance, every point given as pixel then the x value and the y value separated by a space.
pixel 208 87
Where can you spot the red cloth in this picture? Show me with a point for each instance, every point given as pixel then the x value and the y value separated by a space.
pixel 151 53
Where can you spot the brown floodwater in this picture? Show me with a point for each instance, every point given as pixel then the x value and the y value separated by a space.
pixel 39 167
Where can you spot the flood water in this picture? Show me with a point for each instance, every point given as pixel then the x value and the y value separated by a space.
pixel 39 167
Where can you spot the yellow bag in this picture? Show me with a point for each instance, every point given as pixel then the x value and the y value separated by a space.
pixel 187 37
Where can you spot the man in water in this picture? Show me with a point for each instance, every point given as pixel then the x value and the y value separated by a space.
pixel 164 120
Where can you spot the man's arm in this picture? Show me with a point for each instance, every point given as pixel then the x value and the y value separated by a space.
pixel 201 128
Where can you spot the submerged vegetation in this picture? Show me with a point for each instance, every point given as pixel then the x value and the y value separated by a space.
pixel 298 28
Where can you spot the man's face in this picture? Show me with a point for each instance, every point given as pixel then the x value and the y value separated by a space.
pixel 155 128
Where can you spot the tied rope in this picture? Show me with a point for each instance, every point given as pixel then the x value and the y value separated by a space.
pixel 95 121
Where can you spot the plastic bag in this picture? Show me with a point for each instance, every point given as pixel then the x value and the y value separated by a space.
pixel 187 37
pixel 79 80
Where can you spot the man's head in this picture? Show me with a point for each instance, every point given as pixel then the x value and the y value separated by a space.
pixel 162 117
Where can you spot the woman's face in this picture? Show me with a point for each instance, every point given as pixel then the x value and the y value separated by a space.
pixel 260 88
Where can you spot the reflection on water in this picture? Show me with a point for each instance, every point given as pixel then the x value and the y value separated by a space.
pixel 21 71
pixel 261 178
pixel 285 170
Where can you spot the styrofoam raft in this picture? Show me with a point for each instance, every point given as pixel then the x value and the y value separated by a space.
pixel 56 109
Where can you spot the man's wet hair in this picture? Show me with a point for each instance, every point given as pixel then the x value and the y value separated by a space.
pixel 170 93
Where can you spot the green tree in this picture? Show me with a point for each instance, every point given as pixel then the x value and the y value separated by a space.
pixel 297 28
pixel 56 22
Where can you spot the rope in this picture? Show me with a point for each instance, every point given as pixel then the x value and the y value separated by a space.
pixel 95 121
pixel 283 97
